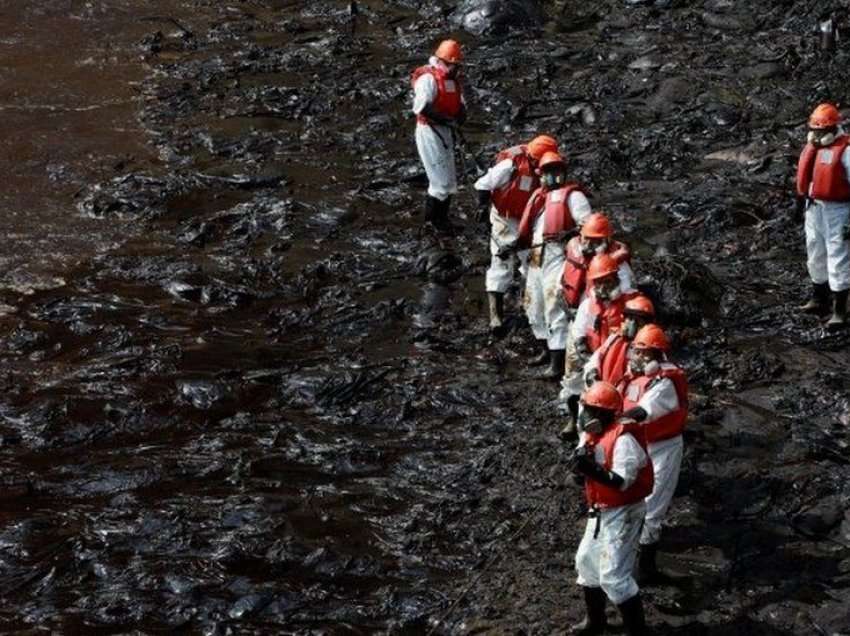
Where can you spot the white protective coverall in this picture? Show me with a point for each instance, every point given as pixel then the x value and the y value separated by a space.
pixel 544 302
pixel 659 400
pixel 608 560
pixel 435 143
pixel 503 231
pixel 573 382
pixel 827 250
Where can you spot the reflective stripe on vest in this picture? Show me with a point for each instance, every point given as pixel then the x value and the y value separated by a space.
pixel 601 496
pixel 821 174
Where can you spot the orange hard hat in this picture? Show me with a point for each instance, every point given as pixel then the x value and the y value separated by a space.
pixel 604 396
pixel 551 159
pixel 449 51
pixel 824 116
pixel 596 225
pixel 651 337
pixel 601 266
pixel 639 304
pixel 540 145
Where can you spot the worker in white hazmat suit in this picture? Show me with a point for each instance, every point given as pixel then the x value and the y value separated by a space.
pixel 617 477
pixel 609 362
pixel 823 193
pixel 503 193
pixel 655 394
pixel 552 216
pixel 439 107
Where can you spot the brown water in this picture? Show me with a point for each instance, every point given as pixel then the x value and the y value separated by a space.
pixel 69 101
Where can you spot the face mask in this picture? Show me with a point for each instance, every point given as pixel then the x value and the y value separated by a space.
pixel 607 289
pixel 629 328
pixel 551 180
pixel 637 361
pixel 451 70
pixel 607 294
pixel 639 364
pixel 589 422
pixel 591 247
pixel 820 138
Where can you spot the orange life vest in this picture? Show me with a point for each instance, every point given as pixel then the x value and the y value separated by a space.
pixel 613 359
pixel 448 101
pixel 605 318
pixel 573 282
pixel 553 204
pixel 511 199
pixel 633 389
pixel 602 496
pixel 821 174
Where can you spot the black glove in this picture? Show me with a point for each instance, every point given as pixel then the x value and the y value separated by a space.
pixel 588 467
pixel 506 250
pixel 799 209
pixel 434 117
pixel 577 456
pixel 482 215
pixel 637 414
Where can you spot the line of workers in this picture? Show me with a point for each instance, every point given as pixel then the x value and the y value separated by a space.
pixel 627 401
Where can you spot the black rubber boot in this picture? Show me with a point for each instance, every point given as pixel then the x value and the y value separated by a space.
pixel 497 310
pixel 441 220
pixel 542 357
pixel 595 621
pixel 432 205
pixel 555 369
pixel 647 567
pixel 633 619
pixel 819 302
pixel 838 320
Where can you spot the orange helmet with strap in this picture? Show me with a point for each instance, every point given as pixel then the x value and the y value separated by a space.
pixel 651 337
pixel 604 396
pixel 601 266
pixel 449 51
pixel 640 304
pixel 540 145
pixel 596 225
pixel 824 116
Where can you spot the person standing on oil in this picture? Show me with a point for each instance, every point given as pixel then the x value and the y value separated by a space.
pixel 439 107
pixel 823 194
pixel 503 193
pixel 655 395
pixel 617 476
pixel 551 217
pixel 609 362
